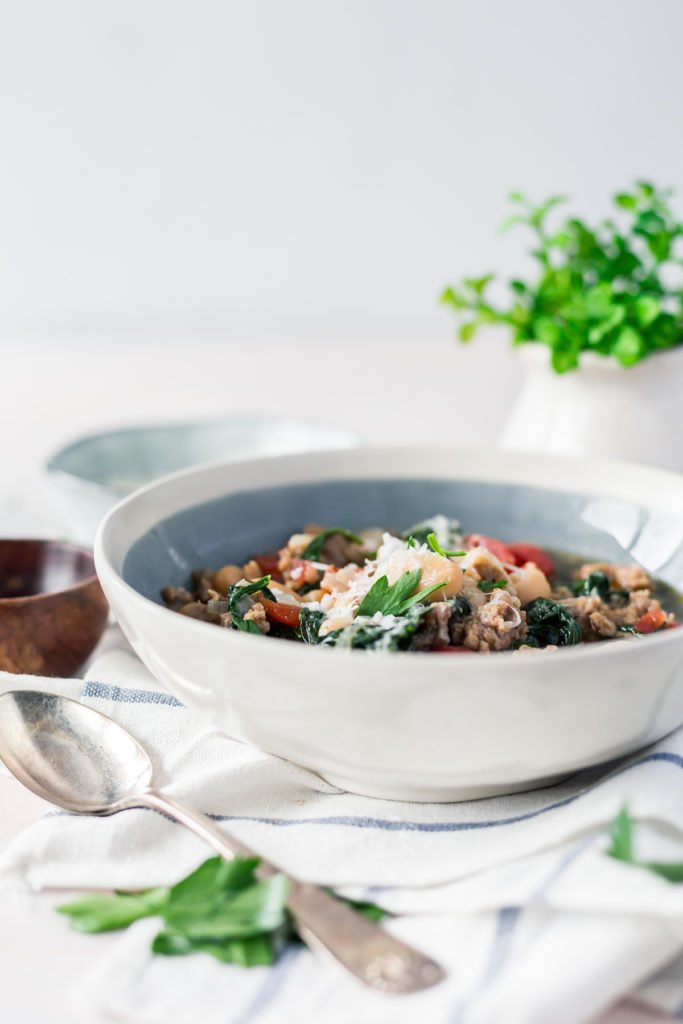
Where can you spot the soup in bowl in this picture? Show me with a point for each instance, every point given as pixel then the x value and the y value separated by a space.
pixel 321 593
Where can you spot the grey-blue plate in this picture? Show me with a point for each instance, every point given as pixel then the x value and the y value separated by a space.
pixel 93 473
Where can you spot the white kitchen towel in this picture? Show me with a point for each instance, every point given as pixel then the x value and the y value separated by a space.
pixel 514 895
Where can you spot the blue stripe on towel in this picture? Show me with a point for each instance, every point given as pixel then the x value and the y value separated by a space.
pixel 129 696
pixel 442 826
pixel 387 825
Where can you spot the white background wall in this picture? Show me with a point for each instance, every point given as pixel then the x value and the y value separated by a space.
pixel 306 167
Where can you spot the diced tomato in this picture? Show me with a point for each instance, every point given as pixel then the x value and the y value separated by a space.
pixel 523 553
pixel 269 562
pixel 496 547
pixel 651 621
pixel 451 650
pixel 277 611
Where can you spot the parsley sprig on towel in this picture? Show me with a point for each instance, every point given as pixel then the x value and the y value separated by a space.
pixel 222 909
pixel 622 848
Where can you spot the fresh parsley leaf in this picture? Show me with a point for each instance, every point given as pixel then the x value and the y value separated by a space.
pixel 436 547
pixel 314 550
pixel 549 623
pixel 222 908
pixel 622 848
pixel 257 951
pixel 395 599
pixel 606 287
pixel 109 911
pixel 239 602
pixel 621 837
pixel 256 908
pixel 310 621
pixel 486 586
pixel 446 531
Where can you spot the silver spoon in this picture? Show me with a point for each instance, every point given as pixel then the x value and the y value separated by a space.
pixel 77 758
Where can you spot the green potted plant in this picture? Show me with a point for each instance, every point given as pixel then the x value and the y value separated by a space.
pixel 600 324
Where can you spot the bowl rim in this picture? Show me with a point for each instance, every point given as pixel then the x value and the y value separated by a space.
pixel 55 468
pixel 104 565
pixel 5 602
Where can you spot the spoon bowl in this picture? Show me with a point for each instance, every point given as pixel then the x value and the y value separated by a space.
pixel 69 754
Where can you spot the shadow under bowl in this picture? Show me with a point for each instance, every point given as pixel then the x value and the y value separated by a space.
pixel 52 608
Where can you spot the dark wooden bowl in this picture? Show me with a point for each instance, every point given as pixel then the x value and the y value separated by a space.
pixel 52 608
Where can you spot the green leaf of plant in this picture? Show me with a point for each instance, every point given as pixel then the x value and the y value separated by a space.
pixel 467 331
pixel 251 911
pixel 486 586
pixel 450 297
pixel 239 602
pixel 629 348
pixel 621 837
pixel 547 330
pixel 256 951
pixel 478 284
pixel 512 221
pixel 310 621
pixel 436 547
pixel 106 912
pixel 597 286
pixel 203 888
pixel 672 872
pixel 220 909
pixel 595 583
pixel 386 635
pixel 549 623
pixel 314 550
pixel 397 598
pixel 647 309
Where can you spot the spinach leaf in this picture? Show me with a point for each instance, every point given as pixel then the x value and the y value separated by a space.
pixel 392 634
pixel 460 608
pixel 486 586
pixel 436 547
pixel 310 621
pixel 596 582
pixel 549 623
pixel 628 629
pixel 397 598
pixel 314 550
pixel 239 602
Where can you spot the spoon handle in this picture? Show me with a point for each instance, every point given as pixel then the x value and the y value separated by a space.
pixel 371 954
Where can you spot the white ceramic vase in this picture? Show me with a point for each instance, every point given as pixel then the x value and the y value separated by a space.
pixel 601 409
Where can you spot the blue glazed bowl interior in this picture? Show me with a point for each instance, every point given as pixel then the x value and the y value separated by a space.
pixel 231 528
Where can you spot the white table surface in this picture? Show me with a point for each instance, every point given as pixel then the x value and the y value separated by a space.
pixel 56 388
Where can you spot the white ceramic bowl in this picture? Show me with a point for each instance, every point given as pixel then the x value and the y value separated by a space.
pixel 401 725
pixel 90 475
